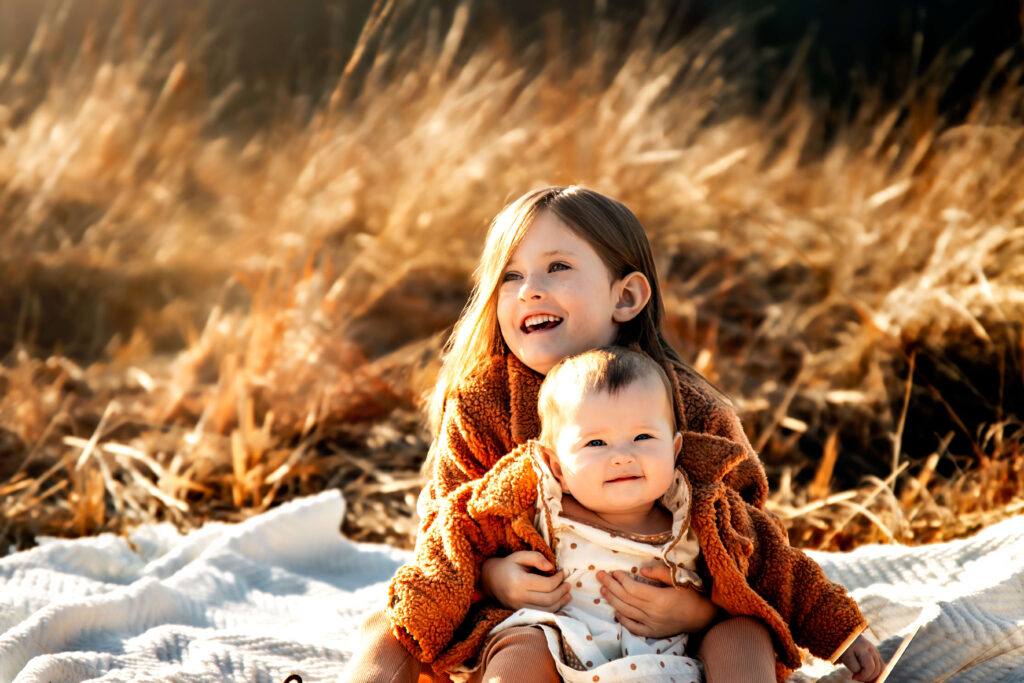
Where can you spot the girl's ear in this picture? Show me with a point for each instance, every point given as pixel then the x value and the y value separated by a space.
pixel 633 291
pixel 677 443
pixel 554 465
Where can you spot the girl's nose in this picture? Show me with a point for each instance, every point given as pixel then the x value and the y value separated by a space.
pixel 531 289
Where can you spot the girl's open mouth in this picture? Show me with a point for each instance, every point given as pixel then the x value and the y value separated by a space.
pixel 536 323
pixel 621 479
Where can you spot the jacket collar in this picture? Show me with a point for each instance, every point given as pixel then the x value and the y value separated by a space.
pixel 523 387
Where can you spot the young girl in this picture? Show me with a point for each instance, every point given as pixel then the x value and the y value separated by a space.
pixel 601 490
pixel 564 270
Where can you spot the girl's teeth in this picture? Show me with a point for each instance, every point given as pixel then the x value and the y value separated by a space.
pixel 535 322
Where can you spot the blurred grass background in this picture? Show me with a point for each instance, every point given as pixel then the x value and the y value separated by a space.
pixel 235 235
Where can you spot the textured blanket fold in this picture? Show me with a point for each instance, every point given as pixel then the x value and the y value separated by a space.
pixel 285 593
pixel 281 593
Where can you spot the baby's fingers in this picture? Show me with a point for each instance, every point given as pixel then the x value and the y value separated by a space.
pixel 621 586
pixel 659 572
pixel 637 628
pixel 623 610
pixel 626 606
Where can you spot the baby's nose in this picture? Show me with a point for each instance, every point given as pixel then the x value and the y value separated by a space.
pixel 622 455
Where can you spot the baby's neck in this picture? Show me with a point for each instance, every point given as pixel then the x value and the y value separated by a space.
pixel 647 522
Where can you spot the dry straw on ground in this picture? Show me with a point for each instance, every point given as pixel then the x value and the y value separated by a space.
pixel 216 296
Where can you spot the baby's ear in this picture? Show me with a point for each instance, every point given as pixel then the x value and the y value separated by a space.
pixel 677 443
pixel 632 292
pixel 551 460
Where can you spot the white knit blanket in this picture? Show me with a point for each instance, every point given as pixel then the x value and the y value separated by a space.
pixel 284 593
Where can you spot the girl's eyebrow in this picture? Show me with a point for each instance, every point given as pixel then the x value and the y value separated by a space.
pixel 546 254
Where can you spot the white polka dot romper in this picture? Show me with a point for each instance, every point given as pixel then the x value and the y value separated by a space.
pixel 584 638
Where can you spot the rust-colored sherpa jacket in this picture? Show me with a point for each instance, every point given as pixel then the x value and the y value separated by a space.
pixel 481 504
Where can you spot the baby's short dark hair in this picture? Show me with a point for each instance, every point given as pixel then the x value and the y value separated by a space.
pixel 608 369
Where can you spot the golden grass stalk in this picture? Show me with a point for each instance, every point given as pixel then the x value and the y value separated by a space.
pixel 206 319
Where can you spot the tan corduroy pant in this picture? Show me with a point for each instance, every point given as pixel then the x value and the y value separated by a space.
pixel 735 650
pixel 512 656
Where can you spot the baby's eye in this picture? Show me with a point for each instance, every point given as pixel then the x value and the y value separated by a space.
pixel 595 442
pixel 510 276
pixel 558 265
pixel 640 437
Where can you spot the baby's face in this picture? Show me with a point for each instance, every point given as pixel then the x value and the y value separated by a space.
pixel 617 452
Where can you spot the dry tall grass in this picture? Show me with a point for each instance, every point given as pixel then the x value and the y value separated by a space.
pixel 205 319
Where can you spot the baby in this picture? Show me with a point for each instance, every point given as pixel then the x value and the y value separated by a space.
pixel 614 485
pixel 611 499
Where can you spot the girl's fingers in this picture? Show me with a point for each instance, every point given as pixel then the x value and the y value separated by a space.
pixel 543 584
pixel 538 607
pixel 549 600
pixel 874 665
pixel 565 601
pixel 541 606
pixel 531 558
pixel 866 660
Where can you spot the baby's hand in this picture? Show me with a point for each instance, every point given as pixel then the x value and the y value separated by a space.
pixel 655 611
pixel 510 581
pixel 863 660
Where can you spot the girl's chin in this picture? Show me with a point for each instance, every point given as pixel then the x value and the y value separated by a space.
pixel 544 357
pixel 539 362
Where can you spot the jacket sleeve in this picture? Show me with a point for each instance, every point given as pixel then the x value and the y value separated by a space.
pixel 754 568
pixel 820 615
pixel 472 437
pixel 429 598
pixel 748 477
pixel 705 410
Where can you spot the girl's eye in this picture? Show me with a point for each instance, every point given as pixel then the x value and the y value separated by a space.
pixel 510 276
pixel 558 265
pixel 640 437
pixel 595 442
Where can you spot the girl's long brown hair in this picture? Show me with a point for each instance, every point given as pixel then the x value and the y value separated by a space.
pixel 607 225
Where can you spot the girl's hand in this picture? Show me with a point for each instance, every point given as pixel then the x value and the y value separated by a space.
pixel 511 581
pixel 656 611
pixel 863 660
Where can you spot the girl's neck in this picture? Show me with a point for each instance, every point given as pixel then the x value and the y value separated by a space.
pixel 648 521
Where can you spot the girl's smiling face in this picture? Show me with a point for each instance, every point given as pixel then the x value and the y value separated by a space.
pixel 556 297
